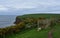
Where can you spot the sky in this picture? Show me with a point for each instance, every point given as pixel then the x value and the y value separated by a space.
pixel 19 7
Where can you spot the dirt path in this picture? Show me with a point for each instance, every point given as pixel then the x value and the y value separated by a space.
pixel 50 35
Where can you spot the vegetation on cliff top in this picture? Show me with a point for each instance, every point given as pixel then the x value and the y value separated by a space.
pixel 28 21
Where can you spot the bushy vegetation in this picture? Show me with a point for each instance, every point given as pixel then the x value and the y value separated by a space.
pixel 28 21
pixel 17 27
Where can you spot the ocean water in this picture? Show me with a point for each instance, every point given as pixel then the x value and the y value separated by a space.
pixel 7 20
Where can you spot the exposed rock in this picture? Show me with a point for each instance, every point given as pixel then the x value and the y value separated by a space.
pixel 18 20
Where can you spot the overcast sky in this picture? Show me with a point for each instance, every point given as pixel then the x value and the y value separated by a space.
pixel 18 7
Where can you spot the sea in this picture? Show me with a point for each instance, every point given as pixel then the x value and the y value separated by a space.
pixel 7 20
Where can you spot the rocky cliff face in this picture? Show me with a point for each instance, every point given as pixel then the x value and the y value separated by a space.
pixel 18 20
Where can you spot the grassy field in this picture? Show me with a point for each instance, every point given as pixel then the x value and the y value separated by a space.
pixel 35 34
pixel 56 33
pixel 30 34
pixel 40 15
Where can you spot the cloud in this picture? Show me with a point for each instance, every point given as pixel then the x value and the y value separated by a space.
pixel 18 4
pixel 29 6
pixel 2 8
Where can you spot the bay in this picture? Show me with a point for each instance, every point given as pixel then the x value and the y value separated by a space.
pixel 7 20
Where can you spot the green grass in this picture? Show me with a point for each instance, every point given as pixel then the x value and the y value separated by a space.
pixel 39 15
pixel 31 34
pixel 35 34
pixel 56 33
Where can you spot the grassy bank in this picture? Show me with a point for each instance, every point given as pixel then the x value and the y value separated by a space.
pixel 39 15
pixel 31 33
pixel 35 34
